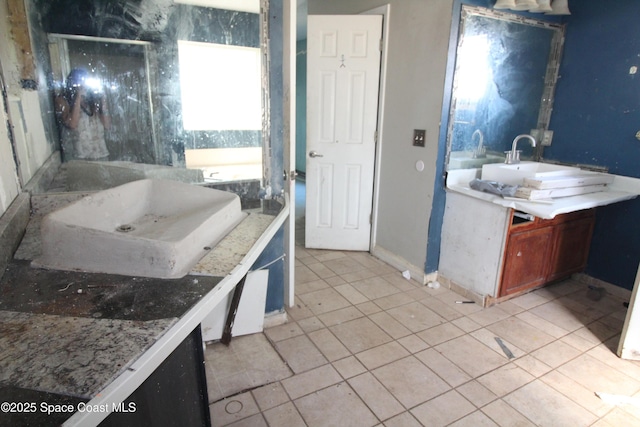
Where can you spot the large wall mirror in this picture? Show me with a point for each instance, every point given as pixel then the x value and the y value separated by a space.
pixel 184 84
pixel 504 81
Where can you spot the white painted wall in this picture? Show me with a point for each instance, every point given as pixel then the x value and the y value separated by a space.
pixel 417 58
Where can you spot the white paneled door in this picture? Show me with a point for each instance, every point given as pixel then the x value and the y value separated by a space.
pixel 343 73
pixel 629 346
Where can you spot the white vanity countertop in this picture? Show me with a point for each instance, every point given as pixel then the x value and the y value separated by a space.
pixel 622 188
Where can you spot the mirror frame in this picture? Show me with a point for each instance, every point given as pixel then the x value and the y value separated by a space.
pixel 551 75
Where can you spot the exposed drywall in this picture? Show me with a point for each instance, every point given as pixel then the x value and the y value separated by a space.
pixel 31 145
pixel 417 58
pixel 595 120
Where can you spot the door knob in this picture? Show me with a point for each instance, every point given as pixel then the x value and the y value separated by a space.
pixel 314 154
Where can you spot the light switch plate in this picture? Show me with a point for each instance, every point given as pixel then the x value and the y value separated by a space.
pixel 547 137
pixel 419 136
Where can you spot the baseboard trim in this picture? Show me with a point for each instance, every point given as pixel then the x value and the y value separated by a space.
pixel 402 264
pixel 275 318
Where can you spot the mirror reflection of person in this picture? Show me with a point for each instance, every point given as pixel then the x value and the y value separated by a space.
pixel 82 111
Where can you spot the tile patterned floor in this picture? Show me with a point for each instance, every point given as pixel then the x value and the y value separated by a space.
pixel 365 347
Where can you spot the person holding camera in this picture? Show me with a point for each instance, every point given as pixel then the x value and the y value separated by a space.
pixel 82 111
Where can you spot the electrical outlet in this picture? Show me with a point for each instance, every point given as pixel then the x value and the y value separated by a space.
pixel 547 137
pixel 419 136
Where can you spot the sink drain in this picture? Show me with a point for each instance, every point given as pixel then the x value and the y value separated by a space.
pixel 125 228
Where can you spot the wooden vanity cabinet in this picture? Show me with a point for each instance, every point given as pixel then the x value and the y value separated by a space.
pixel 540 251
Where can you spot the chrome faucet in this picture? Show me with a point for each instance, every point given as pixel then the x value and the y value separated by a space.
pixel 513 156
pixel 480 152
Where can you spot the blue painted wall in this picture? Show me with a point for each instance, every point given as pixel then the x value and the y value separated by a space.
pixel 596 115
pixel 275 248
pixel 301 106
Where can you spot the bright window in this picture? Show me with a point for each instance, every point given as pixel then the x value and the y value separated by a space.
pixel 221 86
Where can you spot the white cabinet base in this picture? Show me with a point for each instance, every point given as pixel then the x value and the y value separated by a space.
pixel 250 316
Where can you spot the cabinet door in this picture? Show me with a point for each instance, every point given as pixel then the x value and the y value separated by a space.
pixel 571 249
pixel 526 260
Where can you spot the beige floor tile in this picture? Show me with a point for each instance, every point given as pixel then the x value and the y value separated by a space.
pixel 520 333
pixel 489 315
pixel 532 365
pixel 351 294
pixel 618 418
pixel 249 361
pixel 360 334
pixel 556 353
pixel 324 301
pixel 505 379
pixel 311 286
pixel 476 393
pixel 326 255
pixel 233 409
pixel 542 325
pixel 344 265
pixel 597 376
pixel 488 338
pixel 270 395
pixel 413 343
pixel 358 275
pixel 574 391
pixel 375 396
pixel 441 333
pixel 451 299
pixel 403 420
pixel 310 324
pixel 504 415
pixel 390 325
pixel 474 419
pixel 284 331
pixel 337 405
pixel 381 355
pixel 410 381
pixel 471 356
pixel 398 280
pixel 443 410
pixel 596 332
pixel 368 308
pixel 256 420
pixel 545 406
pixel 605 355
pixel 321 270
pixel 465 324
pixel 299 310
pixel 443 367
pixel 375 288
pixel 300 354
pixel 305 274
pixel 561 315
pixel 394 300
pixel 349 367
pixel 329 345
pixel 576 339
pixel 446 311
pixel 530 300
pixel 416 316
pixel 310 381
pixel 284 415
pixel 340 316
pixel 335 281
pixel 511 308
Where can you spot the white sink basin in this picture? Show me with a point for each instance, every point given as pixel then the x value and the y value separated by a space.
pixel 150 228
pixel 465 160
pixel 514 174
